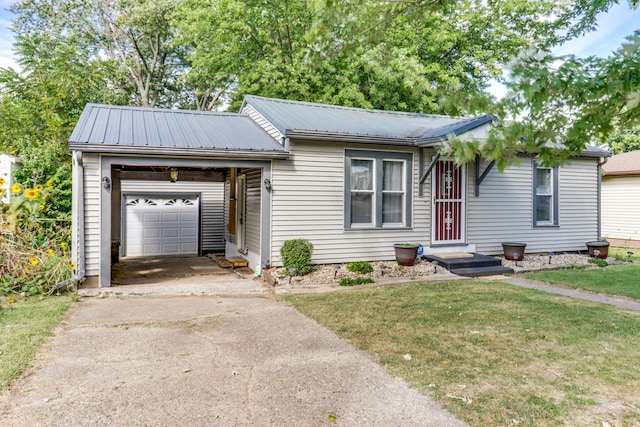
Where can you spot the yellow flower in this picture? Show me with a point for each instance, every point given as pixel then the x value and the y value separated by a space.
pixel 10 300
pixel 50 183
pixel 16 188
pixel 31 194
pixel 72 266
pixel 22 277
pixel 33 261
pixel 2 181
pixel 50 252
pixel 39 187
pixel 63 246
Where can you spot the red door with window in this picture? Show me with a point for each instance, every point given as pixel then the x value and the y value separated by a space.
pixel 448 214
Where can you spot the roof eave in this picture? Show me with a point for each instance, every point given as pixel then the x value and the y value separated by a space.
pixel 311 135
pixel 166 151
pixel 622 173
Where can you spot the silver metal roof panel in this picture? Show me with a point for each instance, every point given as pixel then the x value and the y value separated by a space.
pixel 136 129
pixel 296 117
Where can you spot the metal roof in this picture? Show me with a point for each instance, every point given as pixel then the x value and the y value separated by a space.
pixel 305 119
pixel 109 128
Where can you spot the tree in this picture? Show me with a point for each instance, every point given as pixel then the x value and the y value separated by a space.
pixel 426 56
pixel 132 39
pixel 624 140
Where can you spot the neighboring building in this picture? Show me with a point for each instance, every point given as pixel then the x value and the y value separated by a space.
pixel 8 164
pixel 351 181
pixel 621 197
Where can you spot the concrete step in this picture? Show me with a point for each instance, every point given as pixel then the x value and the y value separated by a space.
pixel 482 271
pixel 477 260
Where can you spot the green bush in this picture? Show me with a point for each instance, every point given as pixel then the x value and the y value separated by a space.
pixel 34 250
pixel 599 262
pixel 347 281
pixel 361 267
pixel 296 253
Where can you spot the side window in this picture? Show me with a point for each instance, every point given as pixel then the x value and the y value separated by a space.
pixel 545 195
pixel 377 189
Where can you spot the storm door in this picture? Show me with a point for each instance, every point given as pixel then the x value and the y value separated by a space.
pixel 448 224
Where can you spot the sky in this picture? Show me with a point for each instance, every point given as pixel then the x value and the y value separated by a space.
pixel 613 27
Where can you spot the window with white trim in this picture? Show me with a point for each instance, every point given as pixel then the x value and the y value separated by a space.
pixel 377 189
pixel 545 195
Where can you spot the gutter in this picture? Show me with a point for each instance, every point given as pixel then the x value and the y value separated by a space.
pixel 77 221
pixel 167 151
pixel 358 138
pixel 599 208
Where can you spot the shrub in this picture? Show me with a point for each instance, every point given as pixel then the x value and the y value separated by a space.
pixel 34 251
pixel 296 253
pixel 347 281
pixel 599 262
pixel 361 267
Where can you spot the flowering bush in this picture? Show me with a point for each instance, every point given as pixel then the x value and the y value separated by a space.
pixel 34 253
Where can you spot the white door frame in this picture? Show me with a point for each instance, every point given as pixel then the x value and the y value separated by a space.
pixel 241 191
pixel 450 228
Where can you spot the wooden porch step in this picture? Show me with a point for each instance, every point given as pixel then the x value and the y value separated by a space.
pixel 237 262
pixel 231 262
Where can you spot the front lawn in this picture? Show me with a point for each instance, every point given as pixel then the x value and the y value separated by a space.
pixel 623 280
pixel 26 324
pixel 496 354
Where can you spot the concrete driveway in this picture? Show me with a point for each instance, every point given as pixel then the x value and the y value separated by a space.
pixel 207 361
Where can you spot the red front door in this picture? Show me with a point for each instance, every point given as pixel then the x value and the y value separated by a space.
pixel 448 214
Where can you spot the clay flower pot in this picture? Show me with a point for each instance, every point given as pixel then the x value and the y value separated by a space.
pixel 514 251
pixel 598 249
pixel 406 253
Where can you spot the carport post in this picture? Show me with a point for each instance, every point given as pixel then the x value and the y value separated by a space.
pixel 104 281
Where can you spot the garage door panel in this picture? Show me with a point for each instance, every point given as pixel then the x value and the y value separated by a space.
pixel 170 232
pixel 151 217
pixel 161 226
pixel 188 216
pixel 171 216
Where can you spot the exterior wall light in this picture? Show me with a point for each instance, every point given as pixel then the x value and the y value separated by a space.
pixel 267 184
pixel 106 182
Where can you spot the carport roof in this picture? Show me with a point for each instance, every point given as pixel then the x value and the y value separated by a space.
pixel 138 130
pixel 308 120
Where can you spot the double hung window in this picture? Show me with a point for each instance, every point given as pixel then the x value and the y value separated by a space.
pixel 377 189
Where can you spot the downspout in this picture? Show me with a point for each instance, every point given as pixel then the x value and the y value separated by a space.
pixel 600 164
pixel 77 222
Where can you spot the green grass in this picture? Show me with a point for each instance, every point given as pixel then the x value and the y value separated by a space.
pixel 495 354
pixel 25 325
pixel 622 253
pixel 622 280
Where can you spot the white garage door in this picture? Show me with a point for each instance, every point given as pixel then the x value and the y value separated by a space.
pixel 161 225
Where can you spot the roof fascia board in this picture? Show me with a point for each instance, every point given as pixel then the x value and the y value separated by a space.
pixel 356 138
pixel 473 124
pixel 120 150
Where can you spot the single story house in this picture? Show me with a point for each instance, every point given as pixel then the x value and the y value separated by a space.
pixel 150 182
pixel 8 164
pixel 621 197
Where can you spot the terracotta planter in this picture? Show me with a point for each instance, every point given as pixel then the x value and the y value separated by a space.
pixel 514 251
pixel 406 254
pixel 598 249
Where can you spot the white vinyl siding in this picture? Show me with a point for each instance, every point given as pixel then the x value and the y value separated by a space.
pixel 92 188
pixel 503 211
pixel 263 123
pixel 212 202
pixel 620 207
pixel 252 209
pixel 308 202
